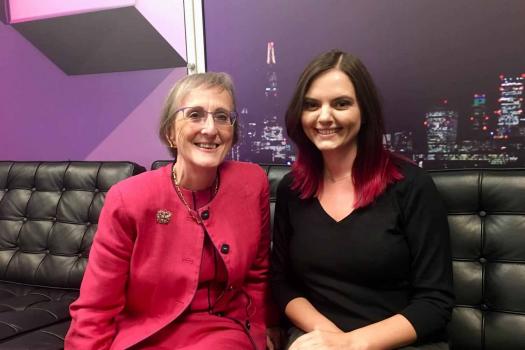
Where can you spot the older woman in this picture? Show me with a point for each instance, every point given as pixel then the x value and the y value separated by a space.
pixel 180 258
pixel 361 255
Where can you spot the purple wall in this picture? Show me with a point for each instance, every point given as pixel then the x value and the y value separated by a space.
pixel 47 115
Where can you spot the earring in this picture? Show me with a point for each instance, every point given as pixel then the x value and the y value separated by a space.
pixel 171 144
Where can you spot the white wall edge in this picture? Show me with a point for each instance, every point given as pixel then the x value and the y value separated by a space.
pixel 194 24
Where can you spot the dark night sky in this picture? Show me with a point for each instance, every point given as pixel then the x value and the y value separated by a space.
pixel 418 51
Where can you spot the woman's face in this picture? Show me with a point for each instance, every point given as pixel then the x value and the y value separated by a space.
pixel 331 117
pixel 203 145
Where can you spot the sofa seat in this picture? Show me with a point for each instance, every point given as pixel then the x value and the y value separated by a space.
pixel 26 308
pixel 48 217
pixel 46 338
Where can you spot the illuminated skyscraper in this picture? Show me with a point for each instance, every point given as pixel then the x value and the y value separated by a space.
pixel 478 125
pixel 270 53
pixel 442 128
pixel 269 144
pixel 399 142
pixel 271 75
pixel 511 121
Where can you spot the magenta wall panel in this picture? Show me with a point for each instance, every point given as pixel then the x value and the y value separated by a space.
pixel 166 16
pixel 47 115
pixel 115 40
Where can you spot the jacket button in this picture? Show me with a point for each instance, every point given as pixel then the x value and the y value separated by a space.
pixel 220 314
pixel 225 249
pixel 205 215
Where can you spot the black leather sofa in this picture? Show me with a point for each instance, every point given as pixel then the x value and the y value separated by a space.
pixel 48 216
pixel 49 211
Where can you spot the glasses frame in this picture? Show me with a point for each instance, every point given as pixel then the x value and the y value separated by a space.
pixel 233 115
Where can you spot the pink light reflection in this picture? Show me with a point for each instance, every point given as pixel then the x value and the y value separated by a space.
pixel 30 10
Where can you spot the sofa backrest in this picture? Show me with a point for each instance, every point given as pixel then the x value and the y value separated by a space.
pixel 48 215
pixel 486 214
pixel 160 163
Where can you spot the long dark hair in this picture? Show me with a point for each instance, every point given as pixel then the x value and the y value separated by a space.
pixel 373 167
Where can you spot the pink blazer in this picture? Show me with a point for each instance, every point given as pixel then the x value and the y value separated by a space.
pixel 143 274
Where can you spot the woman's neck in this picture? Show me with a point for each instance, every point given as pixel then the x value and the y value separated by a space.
pixel 338 165
pixel 194 179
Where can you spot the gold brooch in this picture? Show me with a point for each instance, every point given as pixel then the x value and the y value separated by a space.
pixel 163 216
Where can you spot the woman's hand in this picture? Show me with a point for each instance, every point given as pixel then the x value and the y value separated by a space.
pixel 275 338
pixel 323 340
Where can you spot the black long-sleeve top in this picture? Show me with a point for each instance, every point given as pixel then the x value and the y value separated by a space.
pixel 390 257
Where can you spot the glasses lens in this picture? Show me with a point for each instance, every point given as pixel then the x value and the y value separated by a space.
pixel 222 118
pixel 195 114
pixel 233 117
pixel 199 115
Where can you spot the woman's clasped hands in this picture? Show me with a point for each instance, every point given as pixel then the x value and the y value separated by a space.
pixel 330 340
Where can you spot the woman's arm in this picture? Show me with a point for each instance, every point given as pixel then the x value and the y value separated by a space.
pixel 427 232
pixel 257 280
pixel 321 333
pixel 285 286
pixel 391 333
pixel 306 317
pixel 102 293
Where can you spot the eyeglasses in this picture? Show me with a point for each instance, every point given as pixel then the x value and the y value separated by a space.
pixel 198 115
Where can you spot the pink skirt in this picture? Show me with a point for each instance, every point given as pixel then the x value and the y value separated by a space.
pixel 202 331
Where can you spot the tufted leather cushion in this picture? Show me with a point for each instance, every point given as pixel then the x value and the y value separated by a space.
pixel 487 223
pixel 486 212
pixel 48 215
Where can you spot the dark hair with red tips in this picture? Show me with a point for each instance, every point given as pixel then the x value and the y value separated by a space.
pixel 374 166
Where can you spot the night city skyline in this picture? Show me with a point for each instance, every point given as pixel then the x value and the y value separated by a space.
pixel 420 68
pixel 490 134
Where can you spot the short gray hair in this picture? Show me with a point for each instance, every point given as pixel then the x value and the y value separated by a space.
pixel 181 88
